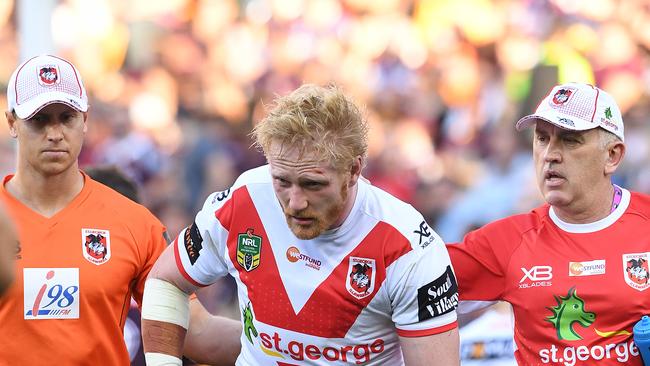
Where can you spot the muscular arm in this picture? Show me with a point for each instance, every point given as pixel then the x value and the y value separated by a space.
pixel 211 339
pixel 164 334
pixel 435 350
pixel 8 242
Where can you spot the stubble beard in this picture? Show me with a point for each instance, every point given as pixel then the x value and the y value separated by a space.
pixel 320 223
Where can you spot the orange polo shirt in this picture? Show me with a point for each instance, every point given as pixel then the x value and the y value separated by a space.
pixel 75 274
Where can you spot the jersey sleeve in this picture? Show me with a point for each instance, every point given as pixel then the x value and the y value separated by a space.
pixel 200 249
pixel 481 260
pixel 422 286
pixel 151 245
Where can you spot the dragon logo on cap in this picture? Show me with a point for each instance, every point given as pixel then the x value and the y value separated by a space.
pixel 562 96
pixel 48 75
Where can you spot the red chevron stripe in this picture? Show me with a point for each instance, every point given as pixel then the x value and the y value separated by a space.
pixel 331 310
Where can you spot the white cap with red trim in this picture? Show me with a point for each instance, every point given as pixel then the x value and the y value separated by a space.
pixel 577 106
pixel 44 80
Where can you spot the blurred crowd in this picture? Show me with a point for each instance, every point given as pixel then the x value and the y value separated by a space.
pixel 176 86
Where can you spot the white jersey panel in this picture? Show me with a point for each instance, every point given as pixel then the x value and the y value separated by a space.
pixel 420 285
pixel 201 246
pixel 198 249
pixel 423 290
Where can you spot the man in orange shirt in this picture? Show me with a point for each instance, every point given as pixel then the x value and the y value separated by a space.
pixel 84 249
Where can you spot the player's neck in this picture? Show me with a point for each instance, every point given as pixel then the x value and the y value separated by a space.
pixel 46 195
pixel 592 207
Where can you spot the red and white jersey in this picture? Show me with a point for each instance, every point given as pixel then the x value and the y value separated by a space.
pixel 576 290
pixel 341 298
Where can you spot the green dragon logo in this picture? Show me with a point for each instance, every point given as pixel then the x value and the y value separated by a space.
pixel 569 310
pixel 249 327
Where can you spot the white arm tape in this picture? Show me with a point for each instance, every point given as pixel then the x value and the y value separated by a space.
pixel 165 302
pixel 161 359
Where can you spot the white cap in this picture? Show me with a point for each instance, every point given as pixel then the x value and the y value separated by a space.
pixel 579 107
pixel 44 80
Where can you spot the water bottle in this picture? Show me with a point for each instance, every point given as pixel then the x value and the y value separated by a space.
pixel 642 338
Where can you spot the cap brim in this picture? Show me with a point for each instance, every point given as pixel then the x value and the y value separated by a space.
pixel 28 109
pixel 577 124
pixel 527 121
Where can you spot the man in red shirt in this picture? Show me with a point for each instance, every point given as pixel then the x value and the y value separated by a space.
pixel 575 269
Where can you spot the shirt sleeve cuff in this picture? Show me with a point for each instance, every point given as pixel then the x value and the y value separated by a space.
pixel 427 332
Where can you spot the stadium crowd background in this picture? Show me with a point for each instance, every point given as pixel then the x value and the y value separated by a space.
pixel 176 85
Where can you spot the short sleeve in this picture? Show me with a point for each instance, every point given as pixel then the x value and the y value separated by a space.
pixel 154 240
pixel 481 261
pixel 422 287
pixel 200 249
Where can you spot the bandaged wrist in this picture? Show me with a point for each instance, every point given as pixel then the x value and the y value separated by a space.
pixel 165 302
pixel 161 359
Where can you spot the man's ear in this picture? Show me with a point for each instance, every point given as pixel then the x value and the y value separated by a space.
pixel 85 115
pixel 615 154
pixel 11 122
pixel 355 170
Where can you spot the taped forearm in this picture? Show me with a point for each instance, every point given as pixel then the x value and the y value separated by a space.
pixel 165 319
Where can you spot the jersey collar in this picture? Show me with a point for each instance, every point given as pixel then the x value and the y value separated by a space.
pixel 593 226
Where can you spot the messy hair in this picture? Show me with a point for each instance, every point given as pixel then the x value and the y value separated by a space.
pixel 318 119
